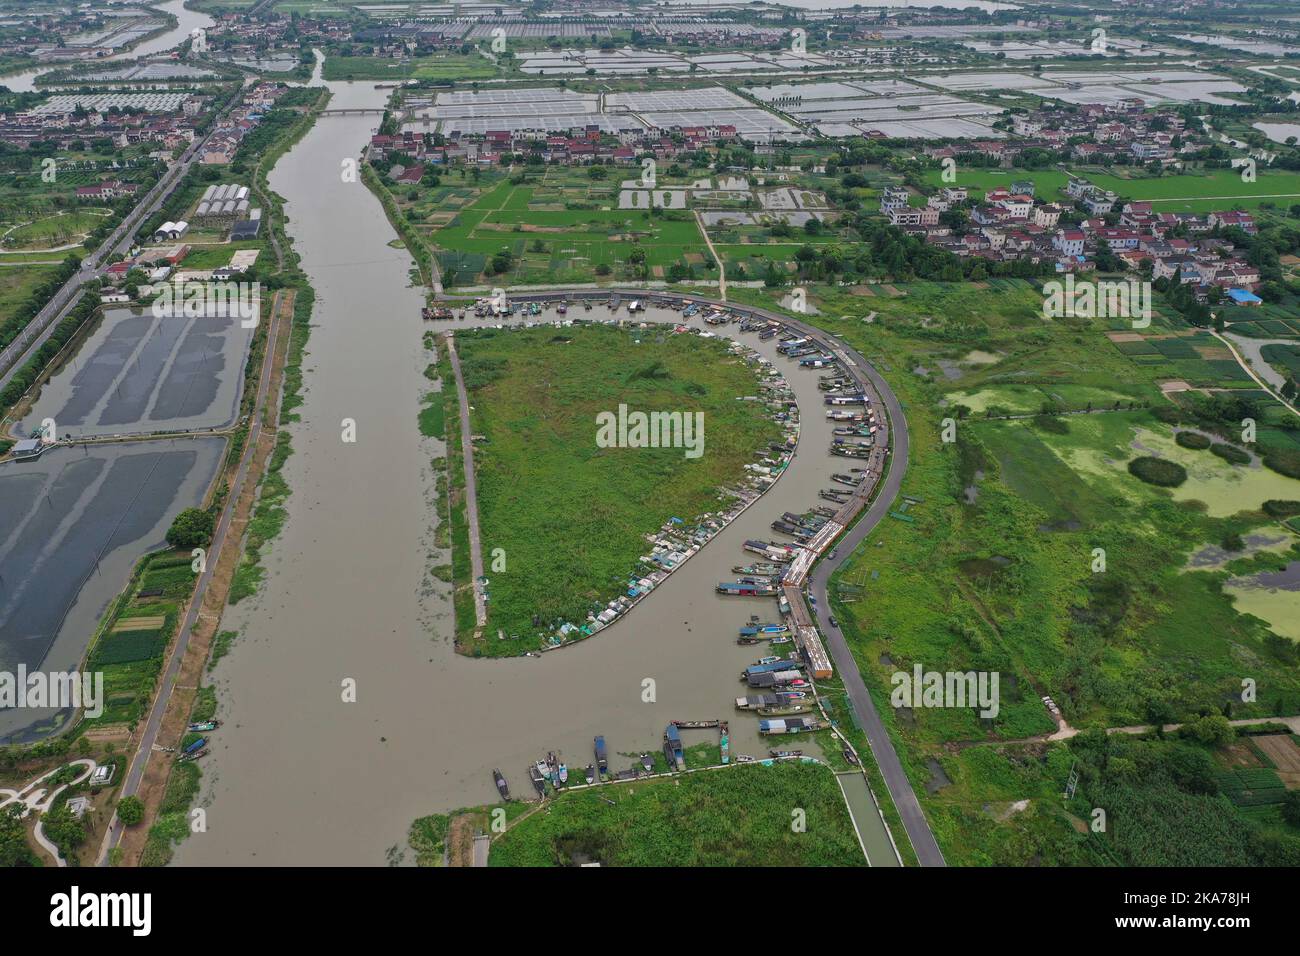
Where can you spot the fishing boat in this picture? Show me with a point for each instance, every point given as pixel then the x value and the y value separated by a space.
pixel 186 757
pixel 724 741
pixel 785 753
pixel 647 763
pixel 500 781
pixel 673 748
pixel 590 773
pixel 795 725
pixel 538 778
pixel 768 660
pixel 695 724
pixel 552 769
pixel 781 639
pixel 564 773
pixel 788 708
pixel 203 726
pixel 748 641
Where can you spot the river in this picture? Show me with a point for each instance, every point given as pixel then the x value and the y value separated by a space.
pixel 297 776
pixel 187 20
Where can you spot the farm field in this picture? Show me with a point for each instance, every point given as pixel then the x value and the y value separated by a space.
pixel 535 395
pixel 446 67
pixel 1200 192
pixel 563 245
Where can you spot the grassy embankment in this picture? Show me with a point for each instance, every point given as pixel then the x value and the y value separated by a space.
pixel 744 815
pixel 570 517
pixel 1001 577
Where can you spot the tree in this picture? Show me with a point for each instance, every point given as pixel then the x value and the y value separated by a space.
pixel 14 850
pixel 130 810
pixel 192 528
pixel 1291 807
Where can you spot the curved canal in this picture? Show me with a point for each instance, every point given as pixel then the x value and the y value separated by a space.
pixel 298 775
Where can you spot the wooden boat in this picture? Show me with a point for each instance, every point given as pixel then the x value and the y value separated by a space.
pixel 203 726
pixel 502 787
pixel 785 753
pixel 538 778
pixel 647 762
pixel 673 748
pixel 788 708
pixel 183 758
pixel 601 760
pixel 695 724
pixel 552 769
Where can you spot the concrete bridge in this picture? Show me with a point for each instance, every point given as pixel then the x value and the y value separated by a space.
pixel 358 111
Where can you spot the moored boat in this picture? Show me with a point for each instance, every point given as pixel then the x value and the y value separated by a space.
pixel 647 763
pixel 724 741
pixel 538 778
pixel 564 773
pixel 601 759
pixel 502 787
pixel 590 773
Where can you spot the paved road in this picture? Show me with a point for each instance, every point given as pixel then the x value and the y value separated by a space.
pixel 140 760
pixel 16 354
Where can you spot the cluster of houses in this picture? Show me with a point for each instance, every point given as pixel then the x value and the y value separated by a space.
pixel 1111 133
pixel 231 129
pixel 1010 223
pixel 578 147
pixel 169 130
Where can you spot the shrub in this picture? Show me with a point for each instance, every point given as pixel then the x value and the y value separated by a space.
pixel 1052 423
pixel 130 811
pixel 1284 462
pixel 1281 509
pixel 1192 440
pixel 192 528
pixel 1230 453
pixel 1157 471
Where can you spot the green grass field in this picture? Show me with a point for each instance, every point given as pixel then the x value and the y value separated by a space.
pixel 1201 192
pixel 562 245
pixel 741 816
pixel 996 570
pixel 571 516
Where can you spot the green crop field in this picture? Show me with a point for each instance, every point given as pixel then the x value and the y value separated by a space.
pixel 564 245
pixel 571 516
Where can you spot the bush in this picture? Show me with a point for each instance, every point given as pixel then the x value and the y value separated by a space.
pixel 1050 423
pixel 1284 463
pixel 192 528
pixel 1281 509
pixel 1157 471
pixel 1230 454
pixel 130 810
pixel 1192 440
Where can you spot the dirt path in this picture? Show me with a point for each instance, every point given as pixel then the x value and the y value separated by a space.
pixel 722 270
pixel 471 491
pixel 149 769
pixel 1251 372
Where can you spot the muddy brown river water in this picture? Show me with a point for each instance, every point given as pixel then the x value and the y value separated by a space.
pixel 298 776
